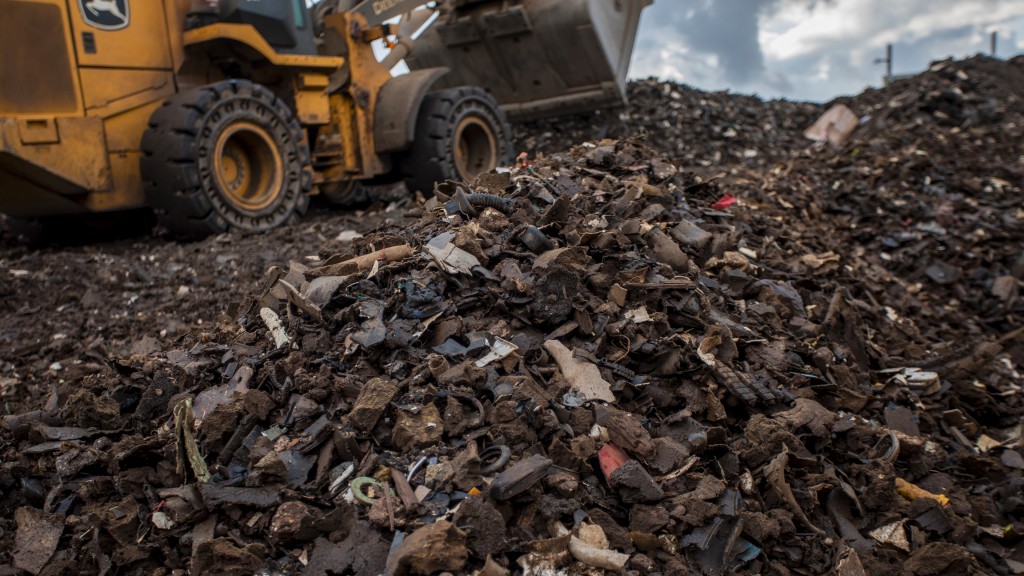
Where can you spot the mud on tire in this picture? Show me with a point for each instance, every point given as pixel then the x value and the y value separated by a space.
pixel 460 133
pixel 229 155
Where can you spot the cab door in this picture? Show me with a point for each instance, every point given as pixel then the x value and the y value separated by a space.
pixel 120 33
pixel 125 69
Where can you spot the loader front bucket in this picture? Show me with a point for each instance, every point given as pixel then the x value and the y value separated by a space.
pixel 538 58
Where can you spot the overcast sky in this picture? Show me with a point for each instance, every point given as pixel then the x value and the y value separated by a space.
pixel 814 49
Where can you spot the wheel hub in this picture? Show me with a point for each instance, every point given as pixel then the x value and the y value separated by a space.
pixel 476 149
pixel 248 167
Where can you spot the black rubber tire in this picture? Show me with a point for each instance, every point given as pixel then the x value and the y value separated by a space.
pixel 80 229
pixel 178 165
pixel 432 157
pixel 346 194
pixel 33 232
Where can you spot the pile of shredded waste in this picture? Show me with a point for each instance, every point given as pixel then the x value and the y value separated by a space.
pixel 621 358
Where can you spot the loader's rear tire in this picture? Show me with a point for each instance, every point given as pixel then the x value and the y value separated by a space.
pixel 80 228
pixel 34 232
pixel 460 134
pixel 228 156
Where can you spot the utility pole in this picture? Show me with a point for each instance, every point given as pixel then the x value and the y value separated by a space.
pixel 995 43
pixel 888 64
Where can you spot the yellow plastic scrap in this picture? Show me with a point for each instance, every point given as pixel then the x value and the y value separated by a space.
pixel 474 492
pixel 912 492
pixel 188 449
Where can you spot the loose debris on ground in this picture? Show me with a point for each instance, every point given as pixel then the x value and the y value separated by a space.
pixel 667 353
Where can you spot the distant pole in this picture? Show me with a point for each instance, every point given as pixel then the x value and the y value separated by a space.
pixel 888 64
pixel 995 43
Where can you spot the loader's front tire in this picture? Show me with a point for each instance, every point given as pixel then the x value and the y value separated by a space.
pixel 228 156
pixel 460 134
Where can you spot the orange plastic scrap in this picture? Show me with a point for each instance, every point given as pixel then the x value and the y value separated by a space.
pixel 912 492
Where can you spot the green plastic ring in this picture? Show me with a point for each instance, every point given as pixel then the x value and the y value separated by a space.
pixel 359 484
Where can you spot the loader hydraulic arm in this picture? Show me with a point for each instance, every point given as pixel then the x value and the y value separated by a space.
pixel 376 12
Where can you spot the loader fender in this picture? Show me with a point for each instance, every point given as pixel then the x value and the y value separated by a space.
pixel 398 107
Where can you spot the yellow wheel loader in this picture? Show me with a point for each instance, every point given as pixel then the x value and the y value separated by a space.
pixel 229 114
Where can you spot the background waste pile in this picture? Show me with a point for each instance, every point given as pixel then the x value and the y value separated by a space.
pixel 692 127
pixel 658 354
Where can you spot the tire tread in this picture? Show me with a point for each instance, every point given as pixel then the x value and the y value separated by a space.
pixel 170 164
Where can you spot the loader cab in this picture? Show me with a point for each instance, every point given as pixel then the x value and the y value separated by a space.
pixel 285 24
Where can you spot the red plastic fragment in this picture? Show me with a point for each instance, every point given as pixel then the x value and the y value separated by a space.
pixel 724 202
pixel 611 457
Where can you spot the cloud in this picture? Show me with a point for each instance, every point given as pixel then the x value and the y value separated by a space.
pixel 811 49
pixel 724 32
pixel 738 52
